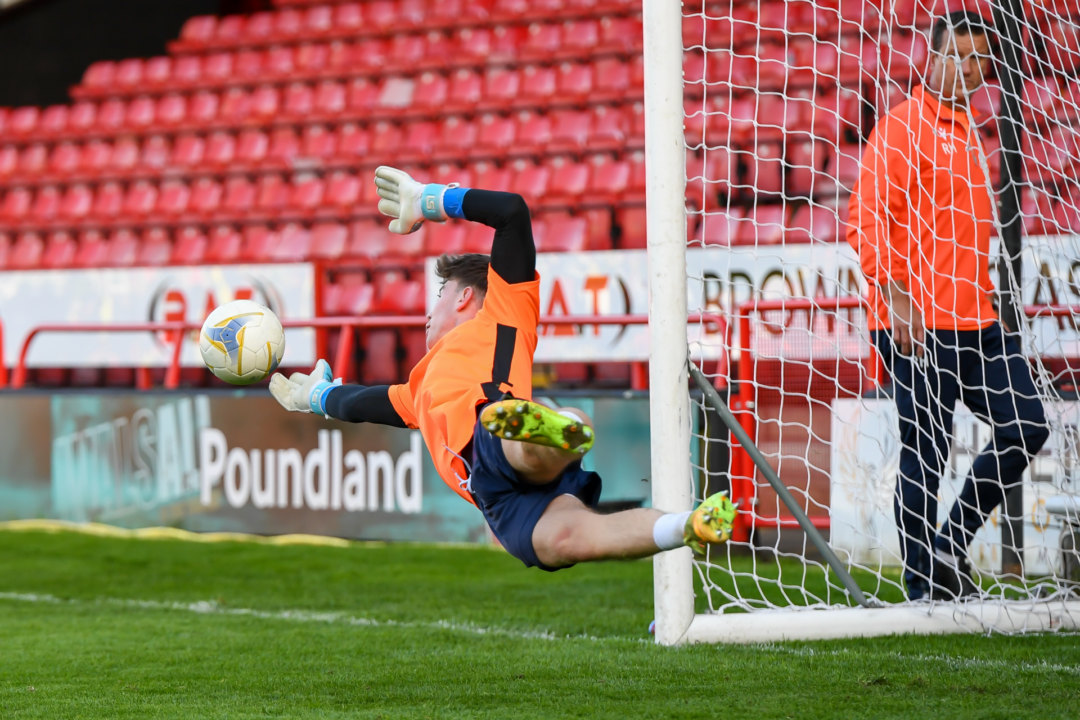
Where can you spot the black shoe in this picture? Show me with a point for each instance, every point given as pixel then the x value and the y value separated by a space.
pixel 952 579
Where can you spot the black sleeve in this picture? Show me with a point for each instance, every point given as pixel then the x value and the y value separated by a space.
pixel 513 253
pixel 357 404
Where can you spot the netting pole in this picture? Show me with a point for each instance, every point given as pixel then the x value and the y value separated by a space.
pixel 1007 17
pixel 669 401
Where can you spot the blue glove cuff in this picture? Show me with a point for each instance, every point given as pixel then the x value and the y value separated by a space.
pixel 431 202
pixel 452 199
pixel 317 398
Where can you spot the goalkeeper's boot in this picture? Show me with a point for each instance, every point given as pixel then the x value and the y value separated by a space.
pixel 710 523
pixel 531 422
pixel 952 577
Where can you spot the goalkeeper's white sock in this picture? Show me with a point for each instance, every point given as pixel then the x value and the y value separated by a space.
pixel 667 533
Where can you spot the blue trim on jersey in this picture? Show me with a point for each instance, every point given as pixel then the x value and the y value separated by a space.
pixel 452 199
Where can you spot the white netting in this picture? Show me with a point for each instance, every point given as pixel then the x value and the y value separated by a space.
pixel 780 101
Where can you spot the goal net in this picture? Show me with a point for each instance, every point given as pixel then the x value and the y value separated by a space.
pixel 777 105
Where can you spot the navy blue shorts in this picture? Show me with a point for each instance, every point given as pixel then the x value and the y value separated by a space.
pixel 512 506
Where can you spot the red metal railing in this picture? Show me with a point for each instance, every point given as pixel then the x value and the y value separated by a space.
pixel 344 357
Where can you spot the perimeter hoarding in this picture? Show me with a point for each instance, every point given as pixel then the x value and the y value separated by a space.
pixel 235 461
pixel 32 298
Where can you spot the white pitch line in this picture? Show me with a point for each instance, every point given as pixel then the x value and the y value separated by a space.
pixel 209 607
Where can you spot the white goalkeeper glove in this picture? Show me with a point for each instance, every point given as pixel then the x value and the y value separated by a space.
pixel 304 393
pixel 409 202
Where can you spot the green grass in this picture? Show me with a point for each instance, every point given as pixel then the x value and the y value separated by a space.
pixel 238 630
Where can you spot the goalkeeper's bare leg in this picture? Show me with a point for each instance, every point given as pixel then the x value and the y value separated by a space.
pixel 540 444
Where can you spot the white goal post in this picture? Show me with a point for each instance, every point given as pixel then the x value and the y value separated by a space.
pixel 775 608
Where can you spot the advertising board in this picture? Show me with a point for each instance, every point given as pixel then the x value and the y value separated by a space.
pixel 31 298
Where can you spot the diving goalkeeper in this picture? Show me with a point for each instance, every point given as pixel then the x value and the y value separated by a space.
pixel 518 461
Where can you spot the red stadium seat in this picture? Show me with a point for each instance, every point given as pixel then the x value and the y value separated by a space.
pixel 812 224
pixel 265 103
pixel 129 73
pixel 352 299
pixel 46 205
pixel 501 85
pixel 570 130
pixel 575 81
pixel 806 163
pixel 381 14
pixel 538 83
pixel 446 238
pixel 478 238
pixel 16 204
pixel 220 149
pixel 542 40
pixel 155 153
pixel 225 245
pixel 609 129
pixel 497 134
pixel 298 101
pixel 568 182
pixel 719 227
pixel 155 248
pixel 23 121
pixel 157 71
pixel 173 198
pixel 447 173
pixel 328 241
pixel 330 98
pixel 396 94
pixel 406 51
pixel 581 35
pixel 26 252
pixel 206 195
pixel 230 28
pixel 349 16
pixel 240 195
pixel 312 58
pixel 386 138
pixel 190 248
pixel 465 90
pixel 203 107
pixel 530 181
pixel 353 142
pixel 199 30
pixel 438 48
pixel 621 34
pixel 456 137
pixel 259 243
pixel 609 181
pixel 284 147
pixel 533 133
pixel 124 155
pixel 9 160
pixel 565 235
pixel 218 67
pixel 279 62
pixel 108 201
pixel 54 120
pixel 294 244
pixel 904 55
pixel 251 147
pixel 765 169
pixel 140 199
pixel 612 78
pixel 306 194
pixel 248 64
pixel 235 106
pixel 631 222
pixel 59 251
pixel 188 151
pixel 99 75
pixel 123 249
pixel 472 43
pixel 33 159
pixel 342 191
pixel 271 194
pixel 65 159
pixel 432 91
pixel 92 250
pixel 420 138
pixel 77 203
pixel 490 177
pixel 763 226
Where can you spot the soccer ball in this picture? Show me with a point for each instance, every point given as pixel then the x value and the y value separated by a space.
pixel 242 342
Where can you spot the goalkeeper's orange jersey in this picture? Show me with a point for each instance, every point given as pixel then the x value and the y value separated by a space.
pixel 922 214
pixel 471 365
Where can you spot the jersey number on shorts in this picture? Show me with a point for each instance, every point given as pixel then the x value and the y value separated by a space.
pixel 505 340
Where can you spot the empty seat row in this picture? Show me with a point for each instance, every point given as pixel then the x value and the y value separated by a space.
pixel 375 18
pixel 429 94
pixel 367 239
pixel 722 119
pixel 558 182
pixel 318 146
pixel 607 77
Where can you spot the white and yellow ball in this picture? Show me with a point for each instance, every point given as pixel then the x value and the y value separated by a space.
pixel 242 342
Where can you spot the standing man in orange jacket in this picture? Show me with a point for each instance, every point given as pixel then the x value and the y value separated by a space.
pixel 921 220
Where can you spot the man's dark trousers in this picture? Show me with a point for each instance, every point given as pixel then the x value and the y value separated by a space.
pixel 985 370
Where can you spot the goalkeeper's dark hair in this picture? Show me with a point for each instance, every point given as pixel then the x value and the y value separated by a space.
pixel 960 23
pixel 470 269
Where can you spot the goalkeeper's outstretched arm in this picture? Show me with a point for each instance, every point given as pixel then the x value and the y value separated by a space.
pixel 320 393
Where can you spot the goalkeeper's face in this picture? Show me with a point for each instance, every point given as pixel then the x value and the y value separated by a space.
pixel 457 303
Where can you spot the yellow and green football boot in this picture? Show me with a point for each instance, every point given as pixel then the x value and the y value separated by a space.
pixel 710 523
pixel 531 422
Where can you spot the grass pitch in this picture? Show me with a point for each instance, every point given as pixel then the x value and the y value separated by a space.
pixel 106 628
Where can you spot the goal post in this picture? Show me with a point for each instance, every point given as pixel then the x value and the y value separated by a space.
pixel 756 117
